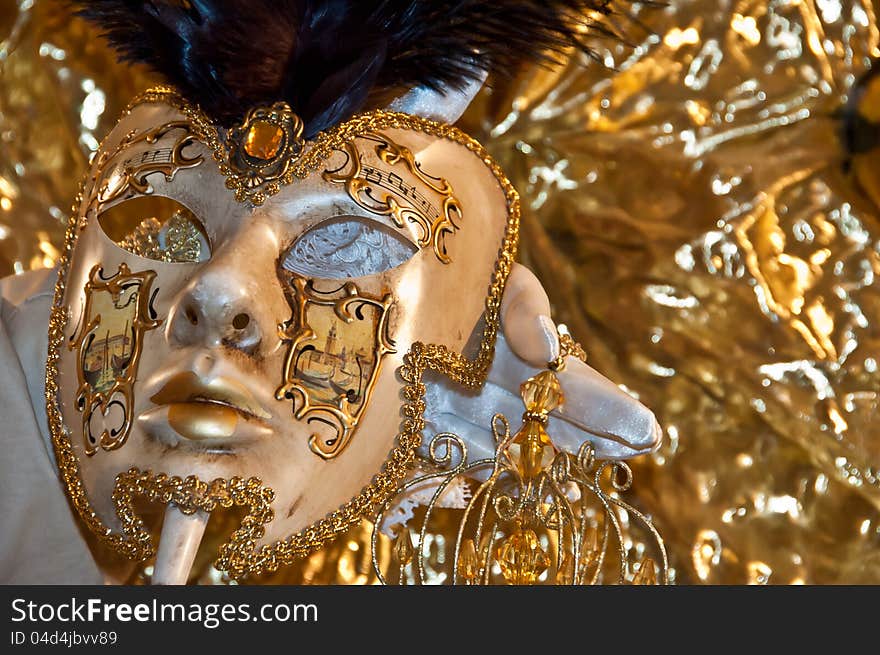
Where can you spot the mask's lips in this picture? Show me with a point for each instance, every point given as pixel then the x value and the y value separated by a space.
pixel 207 409
pixel 189 388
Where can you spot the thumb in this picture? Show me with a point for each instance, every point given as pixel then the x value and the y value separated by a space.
pixel 525 318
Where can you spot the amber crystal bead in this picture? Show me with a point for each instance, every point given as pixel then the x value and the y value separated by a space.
pixel 532 450
pixel 521 557
pixel 468 563
pixel 647 573
pixel 403 547
pixel 542 393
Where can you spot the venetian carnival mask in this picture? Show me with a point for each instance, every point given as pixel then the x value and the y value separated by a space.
pixel 249 311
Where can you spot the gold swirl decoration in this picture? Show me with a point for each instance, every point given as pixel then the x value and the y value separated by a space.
pixel 369 187
pixel 346 303
pixel 134 171
pixel 133 290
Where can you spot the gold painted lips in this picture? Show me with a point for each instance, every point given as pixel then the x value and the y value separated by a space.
pixel 207 409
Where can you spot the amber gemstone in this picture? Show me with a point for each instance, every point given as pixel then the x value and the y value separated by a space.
pixel 263 140
pixel 521 558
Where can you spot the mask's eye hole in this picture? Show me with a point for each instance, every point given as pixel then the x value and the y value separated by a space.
pixel 348 246
pixel 157 228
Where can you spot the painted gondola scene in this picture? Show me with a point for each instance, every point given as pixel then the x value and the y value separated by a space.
pixel 339 360
pixel 108 348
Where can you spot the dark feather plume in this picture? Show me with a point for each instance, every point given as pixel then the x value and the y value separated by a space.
pixel 326 58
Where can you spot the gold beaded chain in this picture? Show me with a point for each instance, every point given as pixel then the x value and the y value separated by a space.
pixel 240 556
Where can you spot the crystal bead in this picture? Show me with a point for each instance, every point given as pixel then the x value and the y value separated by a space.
pixel 403 547
pixel 531 450
pixel 542 393
pixel 468 564
pixel 522 558
pixel 647 573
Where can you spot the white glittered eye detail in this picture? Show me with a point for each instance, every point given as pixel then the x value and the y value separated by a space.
pixel 347 247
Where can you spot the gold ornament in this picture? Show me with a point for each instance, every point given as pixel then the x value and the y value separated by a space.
pixel 262 151
pixel 108 353
pixel 348 306
pixel 133 171
pixel 539 514
pixel 521 558
pixel 386 193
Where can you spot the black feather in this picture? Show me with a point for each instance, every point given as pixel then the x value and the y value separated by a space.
pixel 326 58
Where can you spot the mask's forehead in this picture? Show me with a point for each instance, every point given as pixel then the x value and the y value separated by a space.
pixel 402 176
pixel 434 193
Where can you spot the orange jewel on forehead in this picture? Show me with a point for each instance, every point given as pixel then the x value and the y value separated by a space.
pixel 263 140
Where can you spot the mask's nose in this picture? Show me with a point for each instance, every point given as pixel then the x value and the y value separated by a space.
pixel 216 309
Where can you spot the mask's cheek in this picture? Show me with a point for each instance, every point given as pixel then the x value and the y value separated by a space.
pixel 116 305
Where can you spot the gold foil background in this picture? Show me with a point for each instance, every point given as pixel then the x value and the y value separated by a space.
pixel 687 210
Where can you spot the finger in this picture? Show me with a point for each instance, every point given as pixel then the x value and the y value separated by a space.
pixel 593 403
pixel 597 405
pixel 470 417
pixel 525 318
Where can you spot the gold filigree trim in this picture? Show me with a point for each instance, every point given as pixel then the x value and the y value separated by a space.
pixel 88 398
pixel 135 170
pixel 420 358
pixel 369 187
pixel 237 556
pixel 347 304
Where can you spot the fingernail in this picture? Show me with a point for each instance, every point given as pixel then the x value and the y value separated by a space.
pixel 550 335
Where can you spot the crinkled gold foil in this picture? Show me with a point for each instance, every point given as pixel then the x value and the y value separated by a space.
pixel 688 211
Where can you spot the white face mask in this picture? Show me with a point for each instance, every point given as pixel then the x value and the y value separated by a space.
pixel 245 318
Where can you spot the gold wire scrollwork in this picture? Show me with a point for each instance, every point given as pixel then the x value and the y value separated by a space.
pixel 525 524
pixel 348 304
pixel 142 318
pixel 381 192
